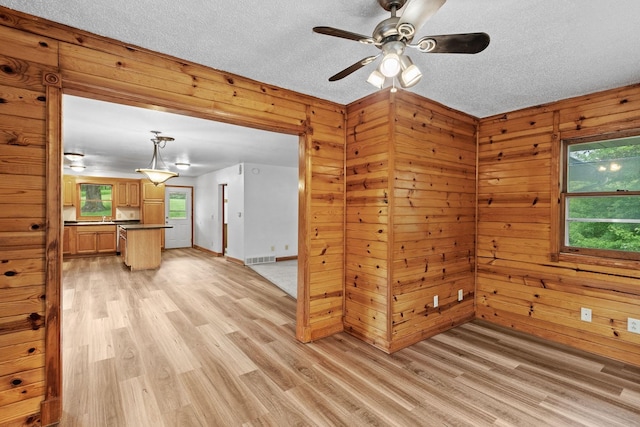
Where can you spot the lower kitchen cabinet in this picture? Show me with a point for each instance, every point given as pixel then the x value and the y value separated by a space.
pixel 69 241
pixel 95 239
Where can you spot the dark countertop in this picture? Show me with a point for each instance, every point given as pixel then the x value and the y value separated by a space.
pixel 83 223
pixel 129 227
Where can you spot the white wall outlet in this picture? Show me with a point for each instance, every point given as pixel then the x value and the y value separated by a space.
pixel 286 247
pixel 585 314
pixel 633 325
pixel 435 300
pixel 460 295
pixel 273 248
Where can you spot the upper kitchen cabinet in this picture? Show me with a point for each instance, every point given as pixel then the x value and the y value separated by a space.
pixel 128 194
pixel 150 191
pixel 69 190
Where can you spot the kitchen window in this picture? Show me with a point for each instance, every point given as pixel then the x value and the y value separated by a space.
pixel 600 197
pixel 95 202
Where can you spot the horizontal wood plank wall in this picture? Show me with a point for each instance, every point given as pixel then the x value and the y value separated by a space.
pixel 24 59
pixel 369 137
pixel 410 219
pixel 433 219
pixel 106 69
pixel 520 283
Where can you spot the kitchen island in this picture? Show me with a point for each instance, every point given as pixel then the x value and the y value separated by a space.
pixel 141 245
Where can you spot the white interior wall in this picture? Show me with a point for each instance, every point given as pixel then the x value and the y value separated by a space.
pixel 208 211
pixel 262 211
pixel 271 211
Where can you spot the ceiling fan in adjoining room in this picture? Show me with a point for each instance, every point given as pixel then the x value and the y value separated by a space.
pixel 393 35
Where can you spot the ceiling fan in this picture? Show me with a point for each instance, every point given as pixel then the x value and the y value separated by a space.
pixel 393 35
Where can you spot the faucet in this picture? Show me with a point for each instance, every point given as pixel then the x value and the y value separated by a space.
pixel 104 218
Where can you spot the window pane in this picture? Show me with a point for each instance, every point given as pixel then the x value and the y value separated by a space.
pixel 604 223
pixel 95 200
pixel 611 165
pixel 177 206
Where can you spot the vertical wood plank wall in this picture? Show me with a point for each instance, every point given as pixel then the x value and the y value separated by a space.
pixel 410 219
pixel 106 69
pixel 520 283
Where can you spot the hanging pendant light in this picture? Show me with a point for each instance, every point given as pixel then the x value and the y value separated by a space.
pixel 158 172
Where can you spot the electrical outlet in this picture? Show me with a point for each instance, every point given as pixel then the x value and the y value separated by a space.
pixel 585 314
pixel 460 295
pixel 435 300
pixel 286 247
pixel 633 325
pixel 273 248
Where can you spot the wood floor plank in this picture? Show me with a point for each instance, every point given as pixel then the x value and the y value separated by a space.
pixel 205 342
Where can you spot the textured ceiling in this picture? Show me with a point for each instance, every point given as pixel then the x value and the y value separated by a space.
pixel 541 51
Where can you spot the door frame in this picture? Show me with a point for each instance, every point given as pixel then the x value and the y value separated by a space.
pixel 223 217
pixel 51 407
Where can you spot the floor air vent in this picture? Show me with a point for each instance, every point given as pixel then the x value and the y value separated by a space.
pixel 260 260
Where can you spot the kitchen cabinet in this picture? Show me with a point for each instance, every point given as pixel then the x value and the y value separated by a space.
pixel 69 241
pixel 151 192
pixel 128 194
pixel 95 239
pixel 68 190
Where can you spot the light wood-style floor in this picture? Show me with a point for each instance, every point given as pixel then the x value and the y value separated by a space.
pixel 204 342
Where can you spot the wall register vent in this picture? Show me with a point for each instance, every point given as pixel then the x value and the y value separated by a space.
pixel 260 260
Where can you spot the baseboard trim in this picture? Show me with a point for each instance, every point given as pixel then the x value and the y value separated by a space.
pixel 234 260
pixel 201 249
pixel 287 258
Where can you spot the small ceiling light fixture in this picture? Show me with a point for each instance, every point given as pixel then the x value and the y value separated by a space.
pixel 410 75
pixel 77 167
pixel 376 79
pixel 158 172
pixel 183 166
pixel 74 157
pixel 390 65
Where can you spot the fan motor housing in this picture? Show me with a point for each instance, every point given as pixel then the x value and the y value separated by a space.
pixel 389 4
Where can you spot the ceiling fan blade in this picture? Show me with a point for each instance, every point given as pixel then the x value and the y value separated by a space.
pixel 418 12
pixel 355 67
pixel 454 43
pixel 335 32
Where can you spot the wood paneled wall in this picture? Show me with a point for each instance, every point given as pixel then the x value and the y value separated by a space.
pixel 410 218
pixel 30 174
pixel 522 281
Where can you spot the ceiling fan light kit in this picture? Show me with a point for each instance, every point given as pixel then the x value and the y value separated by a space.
pixel 158 172
pixel 393 35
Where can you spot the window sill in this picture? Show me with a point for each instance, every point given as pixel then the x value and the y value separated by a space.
pixel 598 261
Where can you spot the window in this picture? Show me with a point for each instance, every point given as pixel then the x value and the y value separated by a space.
pixel 600 197
pixel 96 201
pixel 177 205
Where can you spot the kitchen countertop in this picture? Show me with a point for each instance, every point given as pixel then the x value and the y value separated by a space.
pixel 83 223
pixel 144 226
